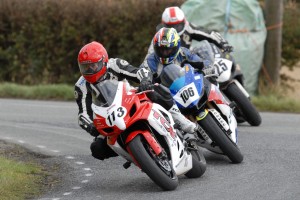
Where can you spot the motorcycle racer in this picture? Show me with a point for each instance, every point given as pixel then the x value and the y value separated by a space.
pixel 168 50
pixel 95 66
pixel 174 17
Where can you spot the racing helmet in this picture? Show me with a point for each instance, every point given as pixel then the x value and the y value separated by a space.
pixel 92 61
pixel 175 18
pixel 166 44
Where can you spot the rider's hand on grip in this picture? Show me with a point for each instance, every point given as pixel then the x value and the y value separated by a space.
pixel 226 47
pixel 145 84
pixel 184 62
pixel 88 126
pixel 209 71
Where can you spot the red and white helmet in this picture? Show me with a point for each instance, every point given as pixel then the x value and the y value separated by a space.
pixel 92 61
pixel 173 17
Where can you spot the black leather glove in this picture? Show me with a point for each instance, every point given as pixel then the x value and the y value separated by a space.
pixel 195 64
pixel 226 47
pixel 88 126
pixel 145 84
pixel 210 70
pixel 221 41
pixel 184 62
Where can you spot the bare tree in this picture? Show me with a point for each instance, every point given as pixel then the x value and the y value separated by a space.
pixel 272 58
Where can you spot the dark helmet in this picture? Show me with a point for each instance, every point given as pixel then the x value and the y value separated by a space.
pixel 166 44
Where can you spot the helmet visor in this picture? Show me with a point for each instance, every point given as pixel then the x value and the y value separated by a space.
pixel 179 27
pixel 91 68
pixel 165 52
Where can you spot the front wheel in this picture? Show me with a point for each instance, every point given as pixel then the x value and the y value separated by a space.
pixel 157 168
pixel 244 105
pixel 221 138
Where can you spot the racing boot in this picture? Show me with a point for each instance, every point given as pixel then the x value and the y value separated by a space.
pixel 188 127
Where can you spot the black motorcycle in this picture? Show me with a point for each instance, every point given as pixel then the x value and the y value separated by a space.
pixel 230 80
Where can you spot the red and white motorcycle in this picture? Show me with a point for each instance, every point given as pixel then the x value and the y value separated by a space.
pixel 143 133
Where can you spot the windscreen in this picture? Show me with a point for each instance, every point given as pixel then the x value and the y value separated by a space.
pixel 170 73
pixel 105 92
pixel 205 51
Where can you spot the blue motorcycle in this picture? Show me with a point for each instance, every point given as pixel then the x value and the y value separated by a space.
pixel 202 102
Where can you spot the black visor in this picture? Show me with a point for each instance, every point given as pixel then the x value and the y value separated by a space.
pixel 165 52
pixel 179 27
pixel 91 68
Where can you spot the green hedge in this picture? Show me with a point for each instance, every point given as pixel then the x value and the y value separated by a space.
pixel 40 40
pixel 291 33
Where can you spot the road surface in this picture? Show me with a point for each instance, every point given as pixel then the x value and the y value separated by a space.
pixel 270 170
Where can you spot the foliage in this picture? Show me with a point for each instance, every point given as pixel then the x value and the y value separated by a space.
pixel 18 180
pixel 40 40
pixel 291 33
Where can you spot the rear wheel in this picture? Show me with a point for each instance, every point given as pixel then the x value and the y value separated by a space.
pixel 244 105
pixel 199 164
pixel 221 138
pixel 156 167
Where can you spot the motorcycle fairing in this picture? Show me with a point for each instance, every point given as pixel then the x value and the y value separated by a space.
pixel 216 95
pixel 223 67
pixel 181 160
pixel 116 117
pixel 187 89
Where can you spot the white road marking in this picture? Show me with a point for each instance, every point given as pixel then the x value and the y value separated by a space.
pixel 79 163
pixel 21 141
pixel 76 188
pixel 87 169
pixel 84 181
pixel 88 174
pixel 70 157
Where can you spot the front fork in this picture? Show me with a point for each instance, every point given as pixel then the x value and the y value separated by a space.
pixel 201 133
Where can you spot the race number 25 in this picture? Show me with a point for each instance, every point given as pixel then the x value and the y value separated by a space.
pixel 221 66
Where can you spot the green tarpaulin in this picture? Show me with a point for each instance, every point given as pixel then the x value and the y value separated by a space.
pixel 241 22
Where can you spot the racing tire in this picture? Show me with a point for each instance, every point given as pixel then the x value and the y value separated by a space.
pixel 199 165
pixel 147 161
pixel 213 130
pixel 243 104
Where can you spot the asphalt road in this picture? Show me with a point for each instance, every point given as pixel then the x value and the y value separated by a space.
pixel 270 170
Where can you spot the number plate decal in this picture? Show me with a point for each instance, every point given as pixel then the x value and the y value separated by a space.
pixel 223 67
pixel 187 95
pixel 115 115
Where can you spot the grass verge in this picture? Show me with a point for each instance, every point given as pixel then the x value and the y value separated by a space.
pixel 24 174
pixel 274 103
pixel 272 100
pixel 39 92
pixel 19 180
